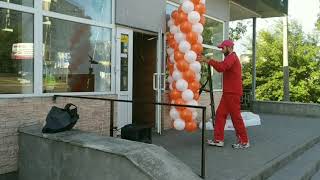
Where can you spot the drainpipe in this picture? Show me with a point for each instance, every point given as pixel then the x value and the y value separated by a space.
pixel 254 57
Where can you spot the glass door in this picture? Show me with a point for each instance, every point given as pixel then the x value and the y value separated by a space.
pixel 124 54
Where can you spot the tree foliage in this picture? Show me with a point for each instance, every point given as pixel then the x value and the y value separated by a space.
pixel 304 63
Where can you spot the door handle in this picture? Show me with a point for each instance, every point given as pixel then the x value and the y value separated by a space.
pixel 155 75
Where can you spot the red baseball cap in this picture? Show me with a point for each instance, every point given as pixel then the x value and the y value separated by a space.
pixel 227 43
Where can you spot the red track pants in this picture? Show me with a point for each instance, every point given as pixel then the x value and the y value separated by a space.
pixel 230 104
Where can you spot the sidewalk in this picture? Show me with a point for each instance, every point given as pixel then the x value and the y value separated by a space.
pixel 276 136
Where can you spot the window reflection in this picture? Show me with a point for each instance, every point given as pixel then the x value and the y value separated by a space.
pixel 20 2
pixel 77 57
pixel 16 52
pixel 97 10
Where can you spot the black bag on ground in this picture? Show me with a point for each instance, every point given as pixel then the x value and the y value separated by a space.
pixel 59 119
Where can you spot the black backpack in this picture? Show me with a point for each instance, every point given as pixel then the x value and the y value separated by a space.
pixel 59 119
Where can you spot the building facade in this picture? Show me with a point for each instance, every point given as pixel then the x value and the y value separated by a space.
pixel 104 48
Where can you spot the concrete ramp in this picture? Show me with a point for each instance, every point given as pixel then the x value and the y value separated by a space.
pixel 77 155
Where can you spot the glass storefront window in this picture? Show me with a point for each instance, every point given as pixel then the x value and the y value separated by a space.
pixel 97 10
pixel 213 32
pixel 16 52
pixel 20 2
pixel 77 57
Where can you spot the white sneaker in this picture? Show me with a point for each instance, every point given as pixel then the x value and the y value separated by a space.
pixel 215 143
pixel 241 146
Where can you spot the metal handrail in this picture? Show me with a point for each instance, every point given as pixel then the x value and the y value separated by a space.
pixel 203 108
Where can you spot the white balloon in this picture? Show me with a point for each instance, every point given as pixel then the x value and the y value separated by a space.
pixel 182 85
pixel 198 76
pixel 170 79
pixel 192 103
pixel 171 58
pixel 196 67
pixel 174 114
pixel 198 28
pixel 194 17
pixel 174 29
pixel 200 39
pixel 203 1
pixel 187 95
pixel 179 37
pixel 170 51
pixel 194 114
pixel 187 7
pixel 184 46
pixel 176 75
pixel 179 124
pixel 190 56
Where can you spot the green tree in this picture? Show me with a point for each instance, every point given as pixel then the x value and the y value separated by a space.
pixel 304 62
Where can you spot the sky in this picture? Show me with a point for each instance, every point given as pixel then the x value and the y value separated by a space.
pixel 304 11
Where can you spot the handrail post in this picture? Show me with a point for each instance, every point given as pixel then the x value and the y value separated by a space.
pixel 111 117
pixel 203 149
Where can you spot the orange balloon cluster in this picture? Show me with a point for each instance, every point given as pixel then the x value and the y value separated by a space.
pixel 185 44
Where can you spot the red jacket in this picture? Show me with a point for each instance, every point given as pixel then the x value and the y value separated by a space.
pixel 232 74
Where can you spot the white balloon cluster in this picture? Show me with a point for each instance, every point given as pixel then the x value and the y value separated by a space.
pixel 185 44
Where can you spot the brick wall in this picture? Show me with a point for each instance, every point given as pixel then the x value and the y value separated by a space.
pixel 204 101
pixel 18 112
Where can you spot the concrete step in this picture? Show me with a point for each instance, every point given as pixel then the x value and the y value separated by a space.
pixel 316 176
pixel 281 161
pixel 301 168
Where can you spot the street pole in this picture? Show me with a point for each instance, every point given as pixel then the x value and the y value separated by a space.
pixel 254 57
pixel 286 90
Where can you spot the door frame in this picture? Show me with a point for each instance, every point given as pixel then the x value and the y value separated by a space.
pixel 124 118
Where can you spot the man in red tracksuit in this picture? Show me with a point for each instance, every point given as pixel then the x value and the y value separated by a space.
pixel 230 102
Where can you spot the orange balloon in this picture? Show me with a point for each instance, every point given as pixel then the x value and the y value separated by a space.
pixel 186 115
pixel 182 66
pixel 180 102
pixel 174 45
pixel 196 96
pixel 192 37
pixel 175 14
pixel 174 85
pixel 197 48
pixel 186 27
pixel 178 56
pixel 201 8
pixel 191 126
pixel 182 17
pixel 170 36
pixel 170 41
pixel 189 76
pixel 194 86
pixel 175 94
pixel 196 1
pixel 203 20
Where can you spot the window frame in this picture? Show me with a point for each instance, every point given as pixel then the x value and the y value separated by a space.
pixel 207 45
pixel 38 14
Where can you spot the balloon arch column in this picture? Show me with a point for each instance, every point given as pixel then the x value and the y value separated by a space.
pixel 185 44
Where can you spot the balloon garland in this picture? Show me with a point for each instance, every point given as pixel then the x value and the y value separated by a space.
pixel 185 44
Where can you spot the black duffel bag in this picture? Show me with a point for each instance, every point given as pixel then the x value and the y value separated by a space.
pixel 59 119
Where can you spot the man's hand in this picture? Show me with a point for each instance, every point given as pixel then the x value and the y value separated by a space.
pixel 203 59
